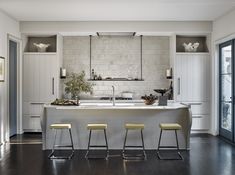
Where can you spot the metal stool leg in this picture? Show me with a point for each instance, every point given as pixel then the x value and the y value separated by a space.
pixel 53 148
pixel 124 145
pixel 71 138
pixel 177 143
pixel 159 143
pixel 142 138
pixel 106 141
pixel 88 147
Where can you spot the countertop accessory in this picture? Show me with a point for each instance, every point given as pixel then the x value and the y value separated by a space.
pixel 162 100
pixel 169 73
pixel 161 91
pixel 62 73
pixel 149 100
pixel 41 47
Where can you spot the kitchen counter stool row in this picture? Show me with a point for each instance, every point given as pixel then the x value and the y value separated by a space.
pixel 103 127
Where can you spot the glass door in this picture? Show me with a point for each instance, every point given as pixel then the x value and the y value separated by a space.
pixel 226 96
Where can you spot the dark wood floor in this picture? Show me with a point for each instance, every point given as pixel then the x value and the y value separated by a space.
pixel 208 156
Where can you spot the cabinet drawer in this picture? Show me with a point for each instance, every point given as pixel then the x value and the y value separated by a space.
pixel 200 122
pixel 31 123
pixel 32 108
pixel 199 108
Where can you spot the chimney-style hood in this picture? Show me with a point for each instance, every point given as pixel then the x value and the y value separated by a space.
pixel 115 33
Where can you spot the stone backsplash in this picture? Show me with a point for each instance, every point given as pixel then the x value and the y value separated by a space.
pixel 119 57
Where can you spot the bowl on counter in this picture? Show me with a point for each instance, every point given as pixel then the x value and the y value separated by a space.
pixel 149 102
pixel 149 99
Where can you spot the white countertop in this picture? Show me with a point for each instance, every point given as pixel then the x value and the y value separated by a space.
pixel 118 105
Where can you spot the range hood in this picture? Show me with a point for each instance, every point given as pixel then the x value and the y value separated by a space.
pixel 115 33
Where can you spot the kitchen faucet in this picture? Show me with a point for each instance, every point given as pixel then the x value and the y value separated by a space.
pixel 113 99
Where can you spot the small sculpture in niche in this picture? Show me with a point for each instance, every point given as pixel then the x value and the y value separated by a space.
pixel 191 47
pixel 41 47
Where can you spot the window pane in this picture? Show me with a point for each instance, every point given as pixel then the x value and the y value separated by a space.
pixel 226 92
pixel 226 119
pixel 226 59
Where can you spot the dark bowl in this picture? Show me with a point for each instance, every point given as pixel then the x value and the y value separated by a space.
pixel 149 102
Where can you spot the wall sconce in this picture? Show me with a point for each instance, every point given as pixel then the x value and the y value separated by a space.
pixel 169 73
pixel 62 73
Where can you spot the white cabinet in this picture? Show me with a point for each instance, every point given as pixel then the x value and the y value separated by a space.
pixel 40 77
pixel 192 77
pixel 192 86
pixel 40 85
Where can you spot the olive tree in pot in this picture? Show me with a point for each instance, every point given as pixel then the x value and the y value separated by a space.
pixel 76 84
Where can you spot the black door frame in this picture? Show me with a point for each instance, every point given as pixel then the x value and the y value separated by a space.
pixel 225 133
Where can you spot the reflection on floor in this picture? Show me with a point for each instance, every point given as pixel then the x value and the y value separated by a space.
pixel 208 156
pixel 28 138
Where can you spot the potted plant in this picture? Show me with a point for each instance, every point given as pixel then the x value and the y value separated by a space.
pixel 76 84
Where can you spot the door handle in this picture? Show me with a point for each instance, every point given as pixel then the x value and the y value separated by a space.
pixel 194 103
pixel 197 116
pixel 53 86
pixel 178 86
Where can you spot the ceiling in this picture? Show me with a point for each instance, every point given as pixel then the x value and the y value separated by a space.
pixel 116 10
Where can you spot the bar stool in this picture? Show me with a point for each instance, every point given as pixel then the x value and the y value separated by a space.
pixel 97 127
pixel 169 127
pixel 133 126
pixel 61 126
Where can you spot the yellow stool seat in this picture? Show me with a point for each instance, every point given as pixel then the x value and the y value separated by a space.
pixel 60 126
pixel 97 126
pixel 170 126
pixel 134 126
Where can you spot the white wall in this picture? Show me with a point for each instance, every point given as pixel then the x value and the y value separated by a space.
pixel 223 30
pixel 7 26
pixel 224 26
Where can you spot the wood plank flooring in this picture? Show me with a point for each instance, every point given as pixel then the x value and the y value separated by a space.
pixel 208 156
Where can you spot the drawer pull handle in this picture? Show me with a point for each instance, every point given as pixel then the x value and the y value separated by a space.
pixel 194 103
pixel 35 116
pixel 197 116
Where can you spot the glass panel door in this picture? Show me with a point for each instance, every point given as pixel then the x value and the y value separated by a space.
pixel 226 90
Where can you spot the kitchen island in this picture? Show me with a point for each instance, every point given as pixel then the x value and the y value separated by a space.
pixel 116 116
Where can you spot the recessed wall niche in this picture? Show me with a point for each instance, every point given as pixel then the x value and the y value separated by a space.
pixel 30 47
pixel 181 39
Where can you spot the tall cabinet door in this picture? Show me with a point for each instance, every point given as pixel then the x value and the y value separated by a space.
pixel 48 78
pixel 192 77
